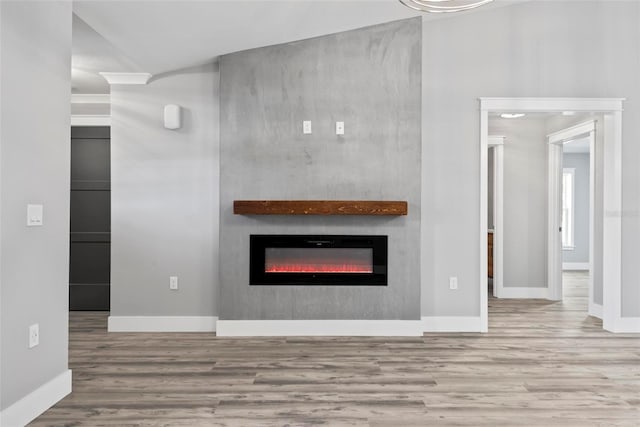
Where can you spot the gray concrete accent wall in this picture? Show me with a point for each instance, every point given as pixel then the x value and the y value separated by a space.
pixel 532 49
pixel 525 200
pixel 35 71
pixel 580 252
pixel 164 208
pixel 368 78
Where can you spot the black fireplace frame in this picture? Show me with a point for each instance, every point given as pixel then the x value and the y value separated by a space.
pixel 259 242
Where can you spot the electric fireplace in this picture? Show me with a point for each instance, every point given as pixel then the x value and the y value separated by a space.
pixel 318 260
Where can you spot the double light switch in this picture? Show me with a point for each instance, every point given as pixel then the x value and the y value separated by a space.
pixel 306 127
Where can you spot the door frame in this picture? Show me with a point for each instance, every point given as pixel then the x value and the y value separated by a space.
pixel 555 142
pixel 497 142
pixel 612 176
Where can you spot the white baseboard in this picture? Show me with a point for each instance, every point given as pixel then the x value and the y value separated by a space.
pixel 38 401
pixel 576 266
pixel 452 324
pixel 369 328
pixel 595 310
pixel 162 323
pixel 523 292
pixel 626 325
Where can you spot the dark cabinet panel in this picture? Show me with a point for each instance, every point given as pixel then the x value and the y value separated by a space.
pixel 90 238
pixel 90 262
pixel 89 297
pixel 90 160
pixel 90 211
pixel 93 132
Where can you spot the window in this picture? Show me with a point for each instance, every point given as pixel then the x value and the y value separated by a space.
pixel 568 207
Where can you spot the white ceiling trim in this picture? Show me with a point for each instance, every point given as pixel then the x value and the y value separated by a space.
pixel 126 78
pixel 90 120
pixel 90 98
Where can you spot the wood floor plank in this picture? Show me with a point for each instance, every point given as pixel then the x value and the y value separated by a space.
pixel 543 363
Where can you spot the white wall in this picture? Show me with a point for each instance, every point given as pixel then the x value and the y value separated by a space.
pixel 533 49
pixel 165 196
pixel 580 163
pixel 525 200
pixel 35 58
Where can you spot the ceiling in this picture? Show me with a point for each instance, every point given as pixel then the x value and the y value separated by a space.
pixel 91 54
pixel 162 36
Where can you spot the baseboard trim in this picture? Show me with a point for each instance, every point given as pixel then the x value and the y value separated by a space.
pixel 627 325
pixel 595 310
pixel 523 292
pixel 368 328
pixel 452 324
pixel 37 402
pixel 162 323
pixel 576 266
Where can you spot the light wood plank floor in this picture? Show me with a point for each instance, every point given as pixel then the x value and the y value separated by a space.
pixel 542 364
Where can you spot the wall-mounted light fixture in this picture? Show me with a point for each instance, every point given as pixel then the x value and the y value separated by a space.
pixel 172 117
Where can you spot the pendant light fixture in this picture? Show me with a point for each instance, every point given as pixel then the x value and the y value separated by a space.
pixel 443 6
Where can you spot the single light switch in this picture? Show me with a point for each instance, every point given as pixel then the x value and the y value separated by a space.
pixel 34 215
pixel 339 128
pixel 306 127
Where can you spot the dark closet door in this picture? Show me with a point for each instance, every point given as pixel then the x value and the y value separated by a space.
pixel 90 253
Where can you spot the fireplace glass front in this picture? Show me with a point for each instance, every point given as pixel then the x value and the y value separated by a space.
pixel 318 260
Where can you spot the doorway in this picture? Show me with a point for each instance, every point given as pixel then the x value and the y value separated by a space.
pixel 611 202
pixel 573 197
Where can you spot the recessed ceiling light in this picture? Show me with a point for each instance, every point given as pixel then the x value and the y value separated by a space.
pixel 568 113
pixel 512 115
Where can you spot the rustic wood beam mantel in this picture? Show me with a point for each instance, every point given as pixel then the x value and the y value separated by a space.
pixel 319 207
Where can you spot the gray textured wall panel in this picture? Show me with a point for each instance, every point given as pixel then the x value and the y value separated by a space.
pixel 368 78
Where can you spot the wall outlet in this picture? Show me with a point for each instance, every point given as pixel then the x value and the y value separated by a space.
pixel 339 128
pixel 453 283
pixel 34 335
pixel 173 283
pixel 306 127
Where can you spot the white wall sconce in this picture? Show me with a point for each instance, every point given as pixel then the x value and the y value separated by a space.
pixel 172 116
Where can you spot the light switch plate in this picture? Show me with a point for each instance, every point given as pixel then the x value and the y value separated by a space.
pixel 306 127
pixel 339 128
pixel 34 335
pixel 34 215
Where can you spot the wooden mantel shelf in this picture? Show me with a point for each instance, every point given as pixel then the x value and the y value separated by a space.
pixel 319 207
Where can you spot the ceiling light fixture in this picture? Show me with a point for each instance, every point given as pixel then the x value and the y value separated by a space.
pixel 443 6
pixel 512 115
